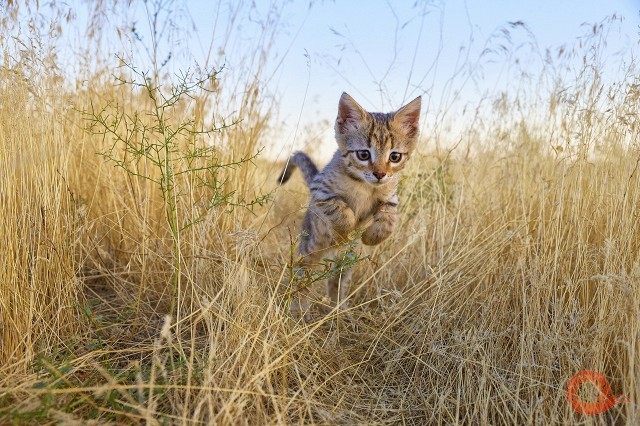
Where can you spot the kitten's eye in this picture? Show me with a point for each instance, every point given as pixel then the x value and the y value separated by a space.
pixel 395 157
pixel 363 155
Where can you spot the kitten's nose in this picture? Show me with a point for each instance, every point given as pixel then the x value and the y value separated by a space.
pixel 379 175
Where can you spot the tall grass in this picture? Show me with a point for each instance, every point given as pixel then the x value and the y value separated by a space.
pixel 40 224
pixel 515 266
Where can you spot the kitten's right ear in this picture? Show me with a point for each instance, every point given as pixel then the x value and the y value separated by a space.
pixel 350 114
pixel 408 117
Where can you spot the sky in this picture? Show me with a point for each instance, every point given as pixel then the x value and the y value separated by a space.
pixel 391 43
pixel 385 53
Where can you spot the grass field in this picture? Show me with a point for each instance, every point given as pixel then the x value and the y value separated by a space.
pixel 142 259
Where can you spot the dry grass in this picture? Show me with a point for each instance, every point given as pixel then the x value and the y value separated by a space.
pixel 515 267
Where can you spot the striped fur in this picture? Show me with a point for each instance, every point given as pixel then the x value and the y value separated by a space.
pixel 304 163
pixel 355 191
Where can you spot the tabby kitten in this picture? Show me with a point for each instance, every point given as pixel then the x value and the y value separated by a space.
pixel 357 190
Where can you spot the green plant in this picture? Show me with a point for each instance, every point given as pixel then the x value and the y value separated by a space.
pixel 165 146
pixel 301 278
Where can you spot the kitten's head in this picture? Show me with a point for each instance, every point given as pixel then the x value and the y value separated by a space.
pixel 376 146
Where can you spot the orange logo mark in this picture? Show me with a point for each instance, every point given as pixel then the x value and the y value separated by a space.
pixel 605 399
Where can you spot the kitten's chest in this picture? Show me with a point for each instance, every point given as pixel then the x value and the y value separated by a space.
pixel 364 199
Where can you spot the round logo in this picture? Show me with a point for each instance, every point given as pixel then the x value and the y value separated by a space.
pixel 605 399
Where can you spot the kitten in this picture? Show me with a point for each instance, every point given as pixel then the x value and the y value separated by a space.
pixel 356 190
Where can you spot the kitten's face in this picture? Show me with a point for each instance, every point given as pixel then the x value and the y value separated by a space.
pixel 376 146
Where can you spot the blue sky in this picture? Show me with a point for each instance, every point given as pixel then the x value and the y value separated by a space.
pixel 384 52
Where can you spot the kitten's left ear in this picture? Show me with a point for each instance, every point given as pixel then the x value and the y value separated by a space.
pixel 350 114
pixel 408 117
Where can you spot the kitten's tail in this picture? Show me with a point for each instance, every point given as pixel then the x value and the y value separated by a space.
pixel 304 163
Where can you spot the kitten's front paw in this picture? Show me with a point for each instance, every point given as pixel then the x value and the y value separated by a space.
pixel 345 222
pixel 372 237
pixel 379 231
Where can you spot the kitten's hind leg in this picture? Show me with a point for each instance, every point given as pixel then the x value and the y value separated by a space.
pixel 300 303
pixel 305 276
pixel 313 247
pixel 338 287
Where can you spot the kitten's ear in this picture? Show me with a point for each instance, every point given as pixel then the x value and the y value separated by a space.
pixel 408 117
pixel 350 114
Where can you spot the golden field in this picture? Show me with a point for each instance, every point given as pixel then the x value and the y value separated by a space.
pixel 142 262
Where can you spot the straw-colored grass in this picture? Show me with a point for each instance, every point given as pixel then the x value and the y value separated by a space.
pixel 515 266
